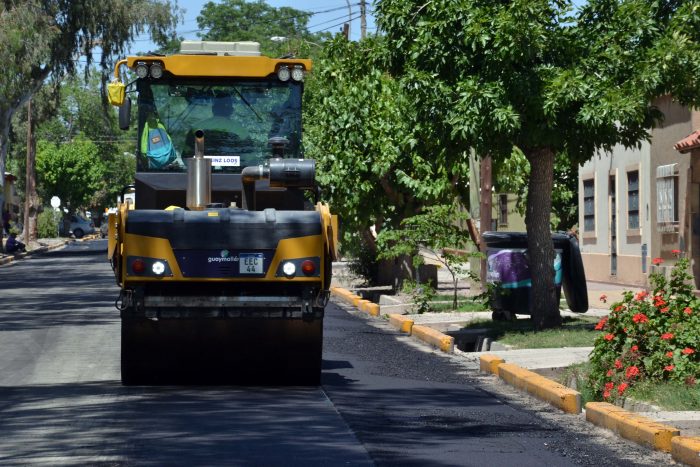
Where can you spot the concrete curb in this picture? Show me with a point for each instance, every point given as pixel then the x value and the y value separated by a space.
pixel 401 322
pixel 435 338
pixel 355 300
pixel 545 389
pixel 641 430
pixel 426 334
pixel 686 449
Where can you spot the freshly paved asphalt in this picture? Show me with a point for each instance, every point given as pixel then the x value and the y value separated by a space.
pixel 383 400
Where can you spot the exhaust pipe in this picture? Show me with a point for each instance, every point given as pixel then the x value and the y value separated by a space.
pixel 198 176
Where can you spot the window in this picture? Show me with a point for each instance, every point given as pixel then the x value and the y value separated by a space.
pixel 667 198
pixel 633 199
pixel 503 209
pixel 588 206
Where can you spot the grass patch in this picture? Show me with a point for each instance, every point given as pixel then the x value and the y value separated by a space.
pixel 574 332
pixel 465 306
pixel 665 394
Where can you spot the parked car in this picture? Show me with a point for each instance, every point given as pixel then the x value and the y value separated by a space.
pixel 80 226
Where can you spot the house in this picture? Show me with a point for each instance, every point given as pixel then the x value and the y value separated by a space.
pixel 637 204
pixel 9 195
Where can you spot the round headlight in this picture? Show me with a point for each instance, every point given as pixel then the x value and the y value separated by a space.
pixel 298 73
pixel 156 70
pixel 289 268
pixel 158 268
pixel 283 73
pixel 141 70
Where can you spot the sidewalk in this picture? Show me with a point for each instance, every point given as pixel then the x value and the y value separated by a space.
pixel 40 246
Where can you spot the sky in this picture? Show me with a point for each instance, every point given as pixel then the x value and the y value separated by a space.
pixel 322 20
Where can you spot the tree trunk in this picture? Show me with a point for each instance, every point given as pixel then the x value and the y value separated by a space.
pixel 31 201
pixel 544 305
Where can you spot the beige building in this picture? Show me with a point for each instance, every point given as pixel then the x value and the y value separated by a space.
pixel 636 204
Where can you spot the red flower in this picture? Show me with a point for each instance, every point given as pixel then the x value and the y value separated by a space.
pixel 606 394
pixel 641 295
pixel 657 261
pixel 688 351
pixel 609 373
pixel 622 387
pixel 659 301
pixel 601 324
pixel 618 364
pixel 609 337
pixel 676 252
pixel 634 348
pixel 669 367
pixel 640 318
pixel 619 308
pixel 609 385
pixel 667 336
pixel 687 310
pixel 669 354
pixel 603 298
pixel 631 372
pixel 664 310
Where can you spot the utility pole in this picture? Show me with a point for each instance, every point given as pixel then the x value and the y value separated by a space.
pixel 485 210
pixel 30 199
pixel 347 31
pixel 363 19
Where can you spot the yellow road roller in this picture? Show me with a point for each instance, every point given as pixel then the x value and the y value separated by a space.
pixel 223 254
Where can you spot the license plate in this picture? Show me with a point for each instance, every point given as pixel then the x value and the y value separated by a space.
pixel 251 263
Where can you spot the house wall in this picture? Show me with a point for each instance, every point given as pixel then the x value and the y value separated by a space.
pixel 597 245
pixel 515 221
pixel 677 125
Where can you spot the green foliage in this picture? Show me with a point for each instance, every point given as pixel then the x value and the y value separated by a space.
pixel 421 295
pixel 47 223
pixel 239 20
pixel 364 262
pixel 42 38
pixel 378 161
pixel 437 229
pixel 72 171
pixel 649 337
pixel 537 75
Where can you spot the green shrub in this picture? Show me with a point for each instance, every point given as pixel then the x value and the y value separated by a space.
pixel 649 336
pixel 46 223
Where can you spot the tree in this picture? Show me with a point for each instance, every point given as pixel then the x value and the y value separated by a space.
pixel 379 160
pixel 532 74
pixel 72 171
pixel 43 38
pixel 238 20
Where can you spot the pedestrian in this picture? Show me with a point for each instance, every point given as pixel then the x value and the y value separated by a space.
pixel 13 245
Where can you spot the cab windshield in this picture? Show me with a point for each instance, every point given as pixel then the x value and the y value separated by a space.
pixel 238 119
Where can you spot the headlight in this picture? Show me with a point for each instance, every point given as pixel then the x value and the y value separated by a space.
pixel 298 73
pixel 158 268
pixel 141 70
pixel 289 268
pixel 283 73
pixel 156 70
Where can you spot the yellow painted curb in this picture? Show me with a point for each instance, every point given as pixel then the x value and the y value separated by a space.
pixel 401 322
pixel 373 309
pixel 436 338
pixel 362 305
pixel 550 391
pixel 632 426
pixel 489 363
pixel 686 449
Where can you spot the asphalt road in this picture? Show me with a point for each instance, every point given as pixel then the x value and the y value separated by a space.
pixel 384 399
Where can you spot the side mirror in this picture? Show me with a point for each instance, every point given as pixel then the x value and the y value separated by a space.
pixel 125 114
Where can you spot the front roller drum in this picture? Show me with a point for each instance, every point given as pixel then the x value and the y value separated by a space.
pixel 244 351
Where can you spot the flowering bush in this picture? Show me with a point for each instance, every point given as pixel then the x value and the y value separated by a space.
pixel 649 335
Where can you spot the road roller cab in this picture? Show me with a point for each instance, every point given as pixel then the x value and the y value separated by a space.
pixel 224 257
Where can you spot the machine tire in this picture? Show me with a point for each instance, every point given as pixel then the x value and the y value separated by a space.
pixel 78 233
pixel 133 372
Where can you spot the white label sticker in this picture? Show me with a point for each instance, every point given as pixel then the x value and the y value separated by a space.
pixel 226 161
pixel 251 263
